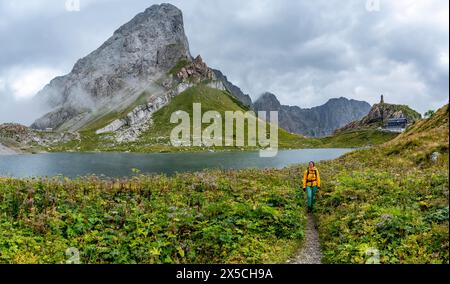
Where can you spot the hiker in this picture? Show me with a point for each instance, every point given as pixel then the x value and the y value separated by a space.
pixel 311 183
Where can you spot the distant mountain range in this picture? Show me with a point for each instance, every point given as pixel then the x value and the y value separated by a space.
pixel 145 64
pixel 314 122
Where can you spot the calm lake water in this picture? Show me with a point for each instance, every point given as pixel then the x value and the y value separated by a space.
pixel 121 164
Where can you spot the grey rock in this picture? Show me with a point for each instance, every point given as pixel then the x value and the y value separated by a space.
pixel 378 115
pixel 196 71
pixel 267 102
pixel 137 54
pixel 24 136
pixel 113 126
pixel 315 122
pixel 435 156
pixel 384 220
pixel 217 85
pixel 54 119
pixel 137 121
pixel 233 89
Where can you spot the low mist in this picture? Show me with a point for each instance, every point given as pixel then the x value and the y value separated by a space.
pixel 23 111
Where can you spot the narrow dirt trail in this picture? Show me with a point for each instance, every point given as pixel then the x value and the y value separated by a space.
pixel 310 253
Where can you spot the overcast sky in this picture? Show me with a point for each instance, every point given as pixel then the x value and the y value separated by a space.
pixel 305 52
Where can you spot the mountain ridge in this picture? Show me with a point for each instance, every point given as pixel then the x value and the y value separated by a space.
pixel 318 121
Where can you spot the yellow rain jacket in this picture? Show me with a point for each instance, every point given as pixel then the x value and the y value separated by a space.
pixel 311 177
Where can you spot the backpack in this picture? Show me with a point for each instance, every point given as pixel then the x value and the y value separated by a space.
pixel 307 174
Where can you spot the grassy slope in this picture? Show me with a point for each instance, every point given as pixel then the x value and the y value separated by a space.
pixel 358 138
pixel 177 68
pixel 211 100
pixel 106 119
pixel 156 139
pixel 409 112
pixel 391 198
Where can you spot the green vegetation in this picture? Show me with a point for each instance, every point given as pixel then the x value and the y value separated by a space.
pixel 157 137
pixel 431 125
pixel 180 65
pixel 358 138
pixel 248 216
pixel 429 114
pixel 91 142
pixel 211 100
pixel 393 198
pixel 407 111
pixel 103 120
pixel 390 200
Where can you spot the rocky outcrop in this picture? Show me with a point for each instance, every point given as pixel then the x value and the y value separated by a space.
pixel 136 55
pixel 315 122
pixel 267 102
pixel 137 121
pixel 14 131
pixel 233 90
pixel 130 127
pixel 195 72
pixel 23 136
pixel 54 119
pixel 379 114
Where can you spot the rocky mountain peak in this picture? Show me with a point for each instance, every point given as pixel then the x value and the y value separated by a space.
pixel 234 90
pixel 380 113
pixel 136 56
pixel 158 13
pixel 152 41
pixel 267 102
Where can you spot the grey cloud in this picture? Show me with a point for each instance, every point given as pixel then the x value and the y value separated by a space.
pixel 306 52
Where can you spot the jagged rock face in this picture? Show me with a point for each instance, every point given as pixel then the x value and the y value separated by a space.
pixel 379 113
pixel 234 90
pixel 137 121
pixel 195 72
pixel 138 53
pixel 315 122
pixel 267 102
pixel 54 119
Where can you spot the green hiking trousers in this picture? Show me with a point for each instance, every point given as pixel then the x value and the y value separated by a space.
pixel 311 193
